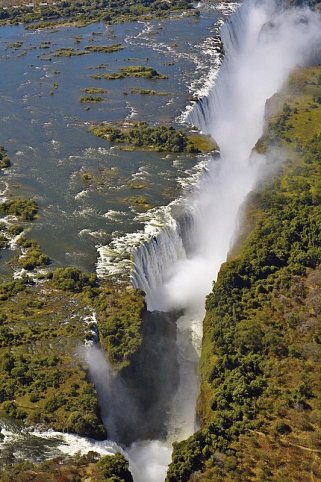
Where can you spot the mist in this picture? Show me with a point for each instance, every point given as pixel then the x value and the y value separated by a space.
pixel 102 375
pixel 148 460
pixel 263 43
pixel 262 46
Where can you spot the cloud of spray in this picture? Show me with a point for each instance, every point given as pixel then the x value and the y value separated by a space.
pixel 148 460
pixel 102 376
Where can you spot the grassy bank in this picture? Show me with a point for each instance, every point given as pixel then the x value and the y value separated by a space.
pixel 260 400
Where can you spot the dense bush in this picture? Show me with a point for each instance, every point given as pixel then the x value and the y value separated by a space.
pixel 32 257
pixel 140 135
pixel 114 467
pixel 24 209
pixel 73 279
pixel 87 11
pixel 10 288
pixel 135 71
pixel 109 468
pixel 4 158
pixel 120 310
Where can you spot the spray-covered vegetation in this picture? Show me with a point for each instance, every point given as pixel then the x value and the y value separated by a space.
pixel 260 400
pixel 45 381
pixel 84 12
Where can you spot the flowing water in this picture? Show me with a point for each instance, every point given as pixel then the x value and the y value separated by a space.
pixel 182 246
pixel 44 127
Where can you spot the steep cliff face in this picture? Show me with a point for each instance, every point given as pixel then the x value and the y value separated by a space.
pixel 260 400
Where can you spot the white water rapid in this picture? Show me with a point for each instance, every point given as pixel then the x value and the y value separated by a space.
pixel 263 43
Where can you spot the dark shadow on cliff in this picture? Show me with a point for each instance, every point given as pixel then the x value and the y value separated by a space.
pixel 141 394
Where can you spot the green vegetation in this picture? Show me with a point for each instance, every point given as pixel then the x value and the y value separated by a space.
pixel 72 52
pixel 106 49
pixel 90 467
pixel 91 99
pixel 147 92
pixel 203 143
pixel 4 158
pixel 43 381
pixel 119 310
pixel 68 52
pixel 135 184
pixel 135 71
pixel 24 209
pixel 11 288
pixel 112 466
pixel 260 399
pixel 142 136
pixel 72 279
pixel 84 12
pixel 140 202
pixel 104 177
pixel 94 90
pixel 32 257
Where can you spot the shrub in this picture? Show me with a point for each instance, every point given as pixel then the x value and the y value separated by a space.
pixel 25 209
pixel 114 466
pixel 73 279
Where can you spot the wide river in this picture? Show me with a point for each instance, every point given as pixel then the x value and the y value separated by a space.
pixel 44 126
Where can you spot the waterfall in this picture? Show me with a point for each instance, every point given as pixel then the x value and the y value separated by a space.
pixel 154 260
pixel 157 260
pixel 263 43
pixel 232 33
